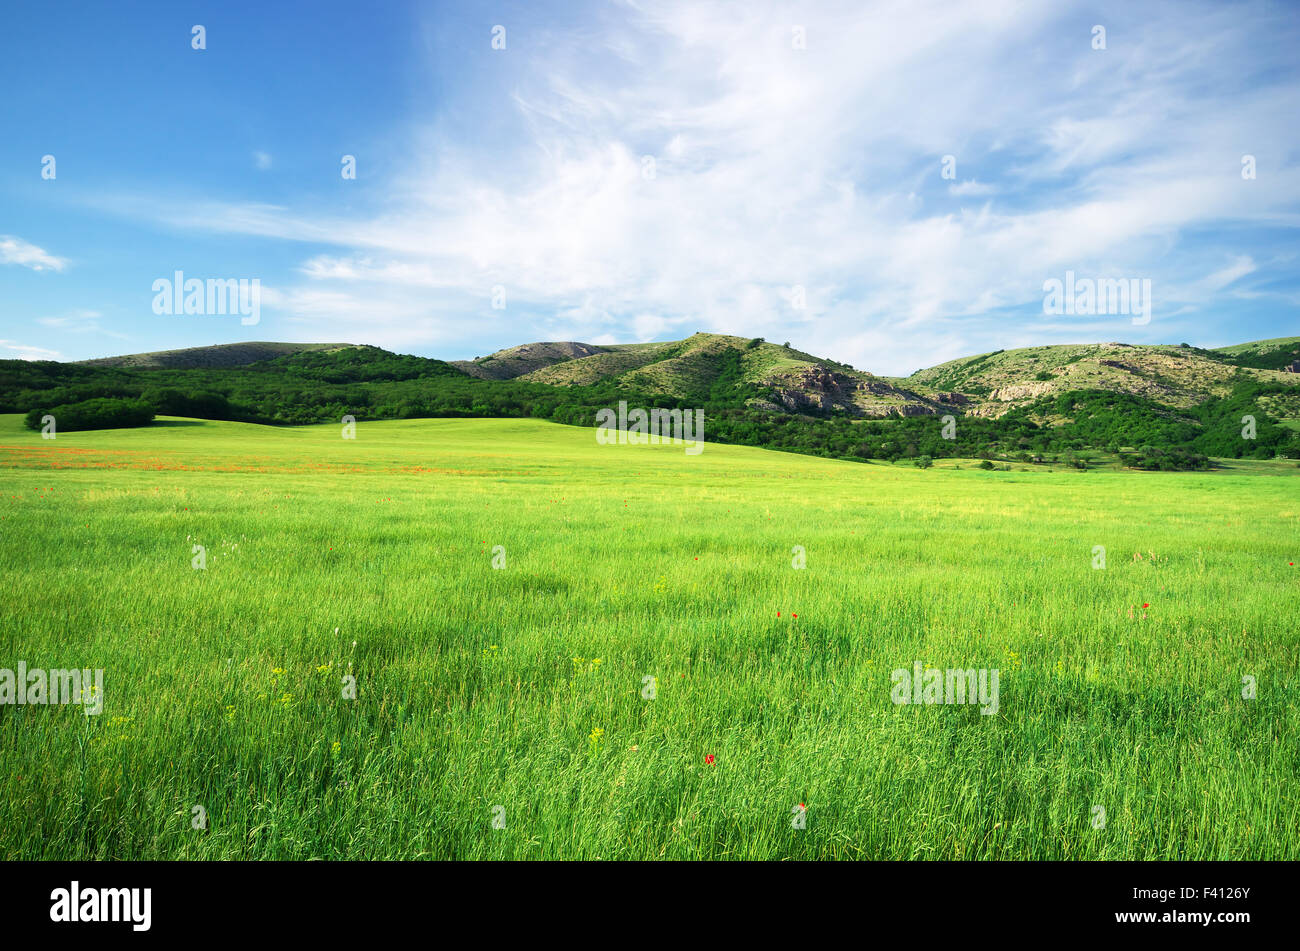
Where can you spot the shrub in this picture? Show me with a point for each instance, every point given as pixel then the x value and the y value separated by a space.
pixel 202 405
pixel 94 414
pixel 1167 460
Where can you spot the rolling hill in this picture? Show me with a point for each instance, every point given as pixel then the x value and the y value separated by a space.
pixel 1280 353
pixel 789 380
pixel 1178 377
pixel 218 355
pixel 1166 405
pixel 987 385
pixel 780 379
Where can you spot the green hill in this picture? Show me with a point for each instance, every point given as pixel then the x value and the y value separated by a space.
pixel 755 372
pixel 1168 405
pixel 217 355
pixel 1276 354
pixel 1173 376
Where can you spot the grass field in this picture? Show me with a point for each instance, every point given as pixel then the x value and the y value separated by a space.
pixel 514 696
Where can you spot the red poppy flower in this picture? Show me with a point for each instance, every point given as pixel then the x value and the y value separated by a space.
pixel 1145 606
pixel 708 759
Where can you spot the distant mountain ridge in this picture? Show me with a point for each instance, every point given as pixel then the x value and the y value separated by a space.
pixel 216 355
pixel 1153 406
pixel 989 384
pixel 781 379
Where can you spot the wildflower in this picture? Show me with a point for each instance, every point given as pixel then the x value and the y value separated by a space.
pixel 334 749
pixel 708 759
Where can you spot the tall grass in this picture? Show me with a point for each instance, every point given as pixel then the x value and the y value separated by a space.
pixel 522 687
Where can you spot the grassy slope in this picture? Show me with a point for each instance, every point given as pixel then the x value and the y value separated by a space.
pixel 1261 346
pixel 521 360
pixel 685 367
pixel 1174 376
pixel 586 370
pixel 658 564
pixel 220 355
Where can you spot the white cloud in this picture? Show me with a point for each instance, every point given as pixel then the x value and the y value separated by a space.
pixel 972 188
pixel 24 352
pixel 818 167
pixel 17 251
pixel 80 322
pixel 1237 269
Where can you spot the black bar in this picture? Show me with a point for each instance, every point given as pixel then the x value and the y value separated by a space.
pixel 942 900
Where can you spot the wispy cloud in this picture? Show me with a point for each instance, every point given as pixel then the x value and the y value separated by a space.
pixel 80 322
pixel 971 188
pixel 684 166
pixel 21 351
pixel 15 250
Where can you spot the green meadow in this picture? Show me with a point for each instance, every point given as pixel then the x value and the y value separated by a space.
pixel 562 650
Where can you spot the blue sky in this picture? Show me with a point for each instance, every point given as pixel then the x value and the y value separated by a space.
pixel 641 171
